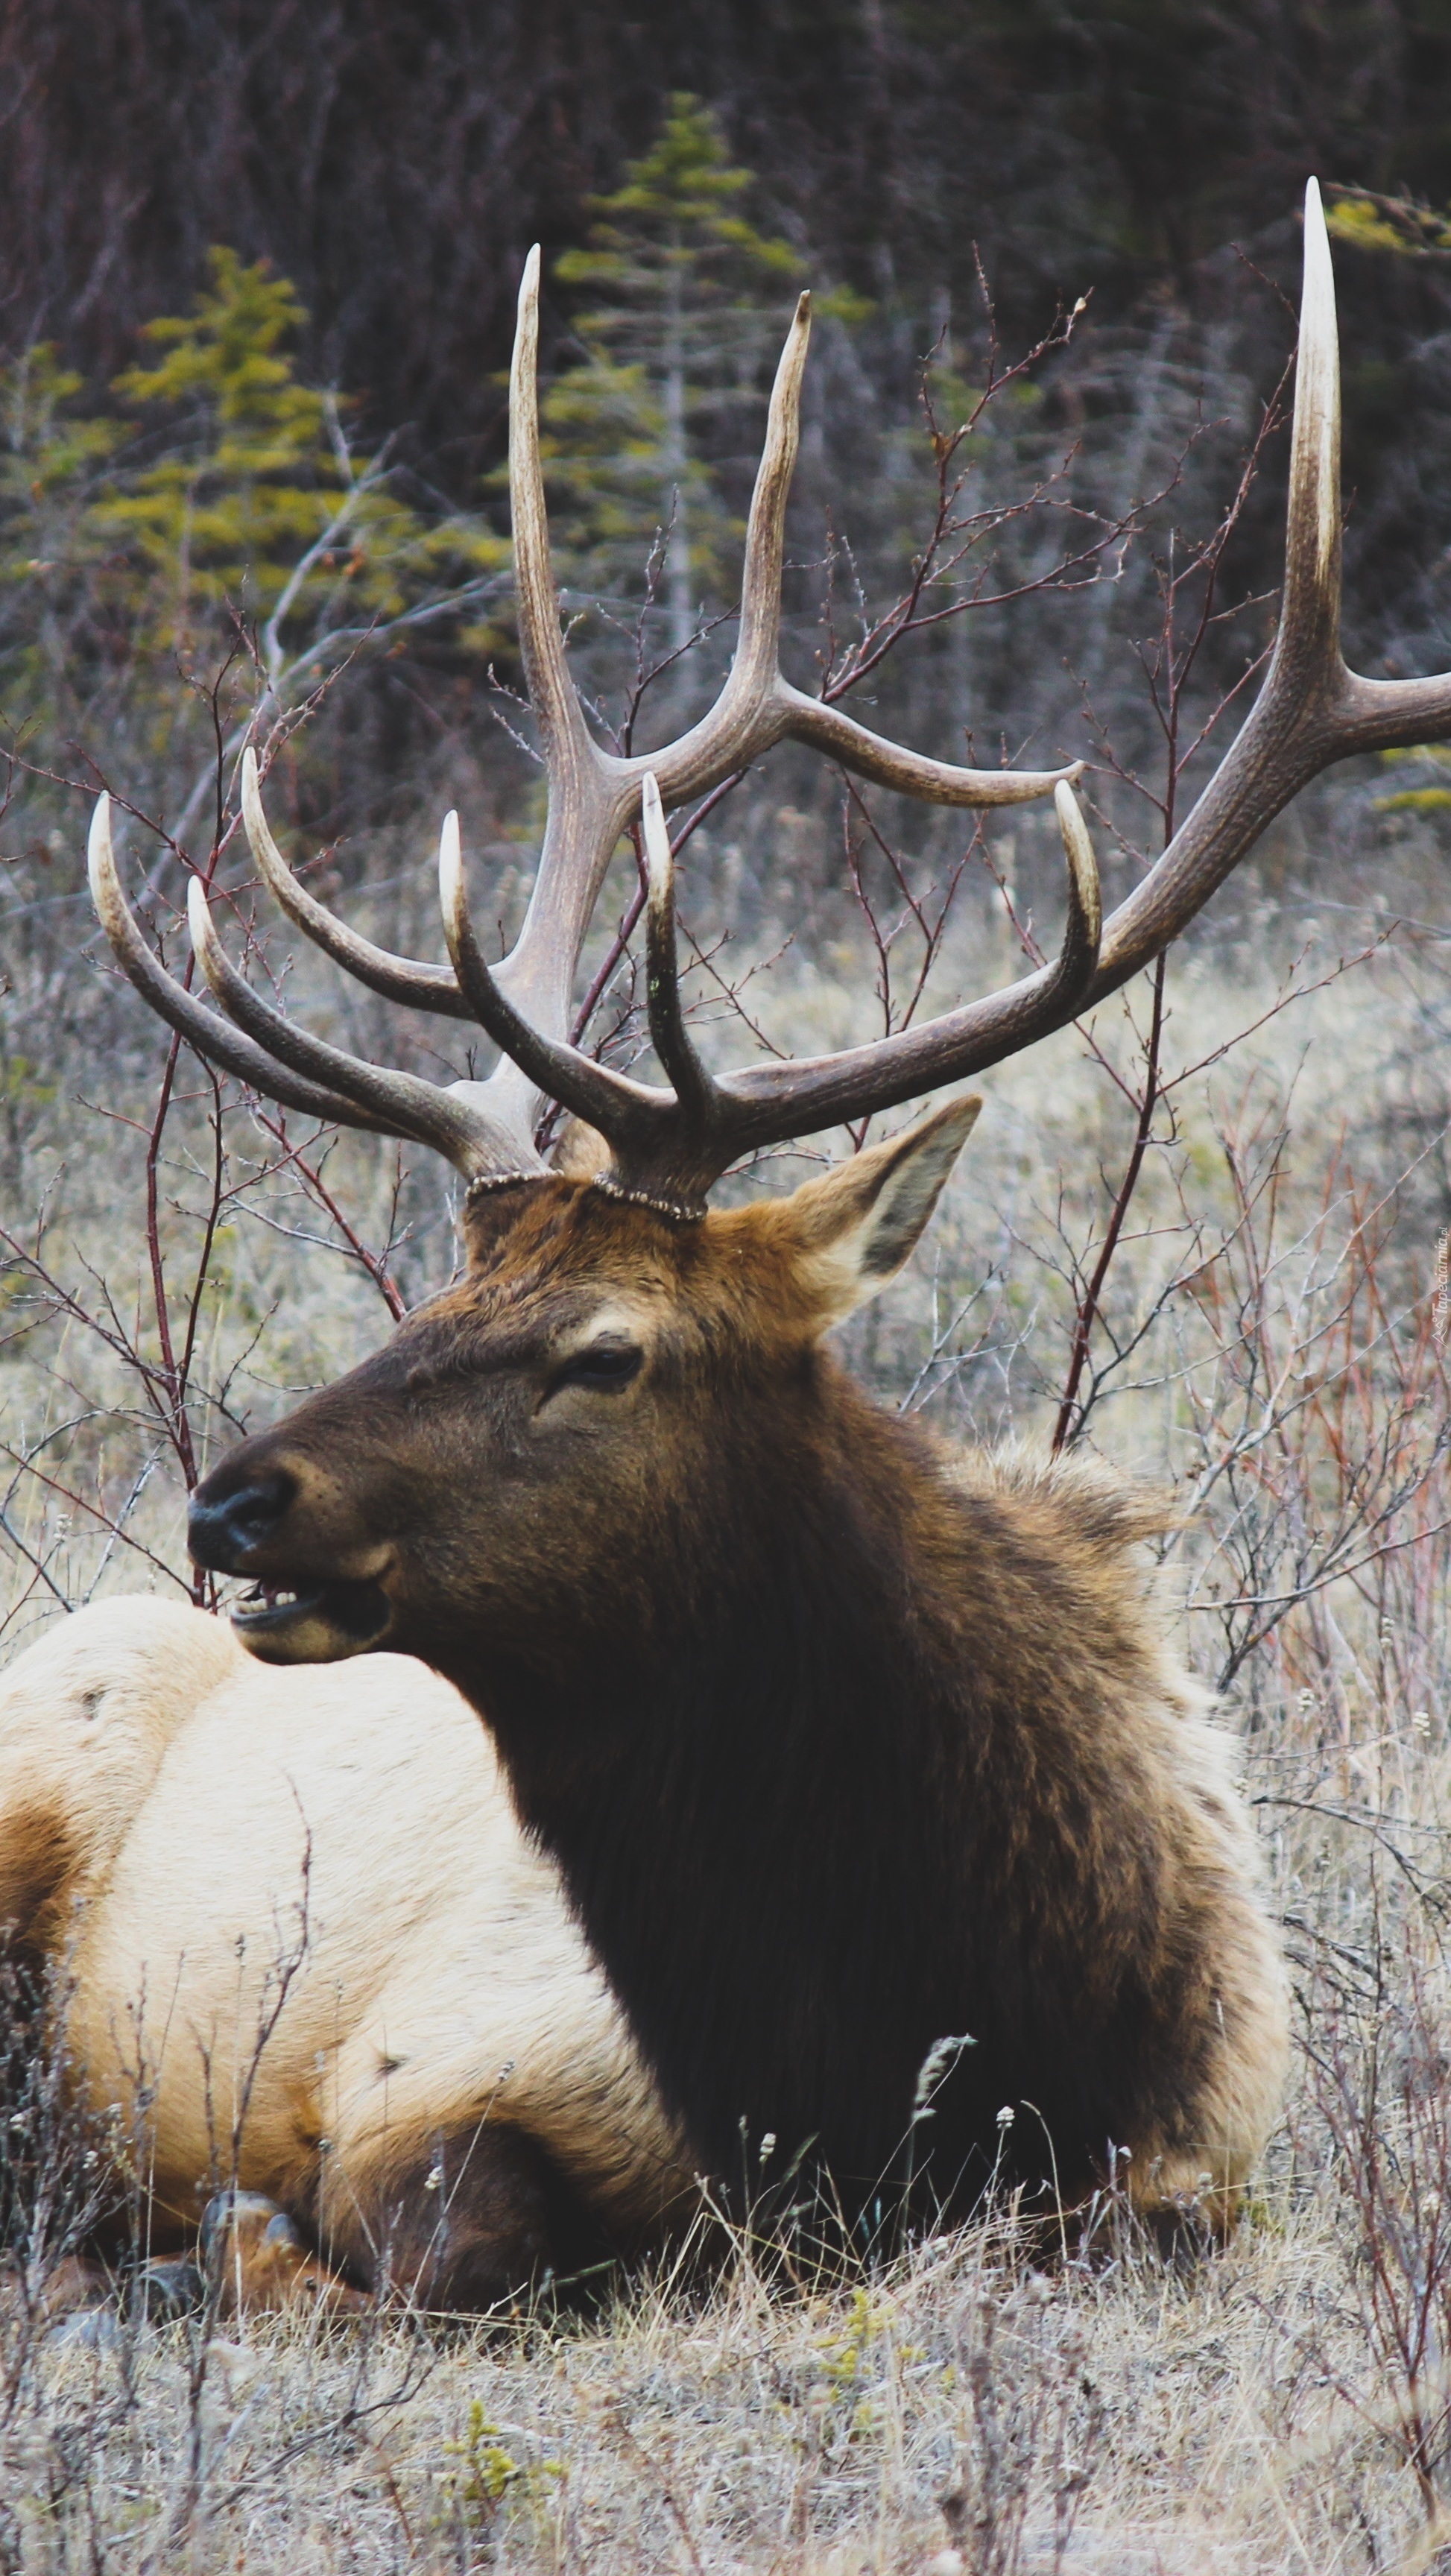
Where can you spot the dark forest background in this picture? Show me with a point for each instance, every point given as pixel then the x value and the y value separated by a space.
pixel 394 159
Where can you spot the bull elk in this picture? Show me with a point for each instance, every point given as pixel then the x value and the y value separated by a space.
pixel 845 1745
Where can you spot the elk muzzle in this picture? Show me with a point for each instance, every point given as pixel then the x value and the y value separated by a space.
pixel 238 1525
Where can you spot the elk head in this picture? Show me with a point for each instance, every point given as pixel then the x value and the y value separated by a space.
pixel 602 1295
pixel 607 1391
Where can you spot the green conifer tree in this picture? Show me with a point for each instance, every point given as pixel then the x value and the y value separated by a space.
pixel 688 301
pixel 254 473
pixel 127 542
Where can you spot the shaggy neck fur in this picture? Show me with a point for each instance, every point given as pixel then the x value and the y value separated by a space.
pixel 843 1805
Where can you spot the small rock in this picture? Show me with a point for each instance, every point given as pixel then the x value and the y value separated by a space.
pixel 161 2292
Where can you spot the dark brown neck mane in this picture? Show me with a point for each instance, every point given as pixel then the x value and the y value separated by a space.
pixel 809 1828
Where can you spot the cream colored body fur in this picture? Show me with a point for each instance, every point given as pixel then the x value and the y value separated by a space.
pixel 180 1823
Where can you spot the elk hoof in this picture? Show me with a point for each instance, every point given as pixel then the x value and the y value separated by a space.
pixel 266 2261
pixel 246 2214
pixel 161 2292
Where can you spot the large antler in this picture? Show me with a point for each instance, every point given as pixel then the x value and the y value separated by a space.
pixel 1312 710
pixel 672 1144
pixel 486 1128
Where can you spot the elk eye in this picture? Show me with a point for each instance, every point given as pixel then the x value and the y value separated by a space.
pixel 605 1366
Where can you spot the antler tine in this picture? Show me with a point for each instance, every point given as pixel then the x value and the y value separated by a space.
pixel 1310 598
pixel 765 1104
pixel 1311 710
pixel 592 797
pixel 221 1044
pixel 551 690
pixel 694 1090
pixel 399 1103
pixel 398 979
pixel 1078 957
pixel 754 676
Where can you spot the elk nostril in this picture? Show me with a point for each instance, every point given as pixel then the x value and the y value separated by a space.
pixel 224 1530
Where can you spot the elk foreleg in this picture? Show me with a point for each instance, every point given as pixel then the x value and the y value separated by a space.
pixel 260 2258
pixel 461 2220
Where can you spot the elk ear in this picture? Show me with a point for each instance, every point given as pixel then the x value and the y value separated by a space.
pixel 854 1228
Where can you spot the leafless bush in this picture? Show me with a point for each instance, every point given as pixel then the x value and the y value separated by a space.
pixel 58 2166
pixel 1380 2059
pixel 1037 2426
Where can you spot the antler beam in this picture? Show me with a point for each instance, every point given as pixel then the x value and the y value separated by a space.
pixel 1311 711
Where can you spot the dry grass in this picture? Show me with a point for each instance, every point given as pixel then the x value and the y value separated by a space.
pixel 973 2404
pixel 1118 2416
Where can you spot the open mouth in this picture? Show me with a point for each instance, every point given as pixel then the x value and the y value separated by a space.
pixel 313 1623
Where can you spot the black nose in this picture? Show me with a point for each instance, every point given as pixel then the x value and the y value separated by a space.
pixel 225 1530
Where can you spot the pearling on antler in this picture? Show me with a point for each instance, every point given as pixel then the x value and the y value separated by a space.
pixel 670 1145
